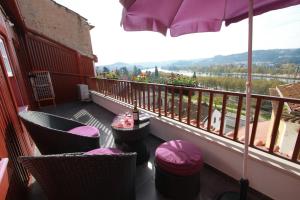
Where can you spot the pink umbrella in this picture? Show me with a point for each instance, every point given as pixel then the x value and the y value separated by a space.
pixel 193 16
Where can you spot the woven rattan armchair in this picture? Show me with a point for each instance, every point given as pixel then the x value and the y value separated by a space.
pixel 50 133
pixel 84 177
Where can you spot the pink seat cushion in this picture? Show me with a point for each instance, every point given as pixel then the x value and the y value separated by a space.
pixel 87 131
pixel 179 157
pixel 104 151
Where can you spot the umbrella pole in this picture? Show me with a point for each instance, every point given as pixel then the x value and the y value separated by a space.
pixel 244 181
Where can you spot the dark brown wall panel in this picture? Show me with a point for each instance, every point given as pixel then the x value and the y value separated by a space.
pixel 66 66
pixel 86 65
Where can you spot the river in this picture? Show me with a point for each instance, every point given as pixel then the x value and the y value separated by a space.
pixel 283 78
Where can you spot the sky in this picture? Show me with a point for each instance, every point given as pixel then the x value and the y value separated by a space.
pixel 272 30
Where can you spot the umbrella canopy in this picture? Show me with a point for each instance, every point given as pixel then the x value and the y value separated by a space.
pixel 191 16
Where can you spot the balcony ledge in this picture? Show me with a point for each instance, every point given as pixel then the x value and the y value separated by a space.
pixel 271 175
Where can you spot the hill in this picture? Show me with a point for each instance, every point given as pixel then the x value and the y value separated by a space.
pixel 269 57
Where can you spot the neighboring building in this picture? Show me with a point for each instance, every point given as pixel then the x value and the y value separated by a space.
pixel 215 119
pixel 230 120
pixel 289 126
pixel 59 23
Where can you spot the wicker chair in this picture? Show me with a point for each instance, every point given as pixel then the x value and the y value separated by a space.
pixel 84 177
pixel 50 133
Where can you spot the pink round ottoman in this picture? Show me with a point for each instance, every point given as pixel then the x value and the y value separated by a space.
pixel 177 169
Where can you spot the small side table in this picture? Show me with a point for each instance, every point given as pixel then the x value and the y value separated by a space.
pixel 130 138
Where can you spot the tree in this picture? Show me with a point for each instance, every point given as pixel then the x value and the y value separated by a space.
pixel 139 71
pixel 135 71
pixel 194 75
pixel 156 75
pixel 124 71
pixel 105 70
pixel 117 72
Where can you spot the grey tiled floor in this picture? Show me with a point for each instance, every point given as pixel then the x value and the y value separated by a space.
pixel 213 182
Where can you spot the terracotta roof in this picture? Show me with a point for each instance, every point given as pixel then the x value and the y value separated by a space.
pixel 288 117
pixel 288 90
pixel 260 136
pixel 291 91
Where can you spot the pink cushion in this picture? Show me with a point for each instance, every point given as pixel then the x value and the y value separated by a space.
pixel 87 131
pixel 103 151
pixel 179 157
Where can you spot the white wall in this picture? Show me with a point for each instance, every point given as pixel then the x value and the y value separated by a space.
pixel 277 178
pixel 289 137
pixel 215 115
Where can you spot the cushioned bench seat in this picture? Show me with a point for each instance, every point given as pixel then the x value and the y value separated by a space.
pixel 87 131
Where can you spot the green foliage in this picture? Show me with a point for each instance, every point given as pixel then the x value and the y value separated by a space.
pixel 279 69
pixel 182 80
pixel 111 75
pixel 105 70
pixel 136 71
pixel 124 71
pixel 238 84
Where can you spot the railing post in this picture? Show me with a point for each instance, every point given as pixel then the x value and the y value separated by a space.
pixel 131 92
pixel 275 126
pixel 153 103
pixel 148 90
pixel 139 92
pixel 255 121
pixel 180 105
pixel 199 108
pixel 135 91
pixel 159 100
pixel 166 101
pixel 189 106
pixel 144 98
pixel 172 106
pixel 97 85
pixel 210 106
pixel 119 90
pixel 297 148
pixel 223 115
pixel 238 118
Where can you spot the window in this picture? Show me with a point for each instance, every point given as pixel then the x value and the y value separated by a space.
pixel 5 58
pixel 215 119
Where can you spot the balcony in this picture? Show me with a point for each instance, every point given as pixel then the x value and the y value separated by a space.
pixel 221 143
pixel 213 182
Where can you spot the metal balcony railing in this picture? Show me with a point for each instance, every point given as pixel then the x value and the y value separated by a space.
pixel 197 107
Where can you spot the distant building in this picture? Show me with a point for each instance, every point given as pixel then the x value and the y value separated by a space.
pixel 289 126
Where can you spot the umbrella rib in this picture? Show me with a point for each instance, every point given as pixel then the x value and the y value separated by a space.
pixel 171 22
pixel 225 8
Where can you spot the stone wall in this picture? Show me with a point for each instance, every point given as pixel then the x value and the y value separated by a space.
pixel 58 23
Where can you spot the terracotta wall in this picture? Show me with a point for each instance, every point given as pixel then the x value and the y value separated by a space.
pixel 13 139
pixel 67 67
